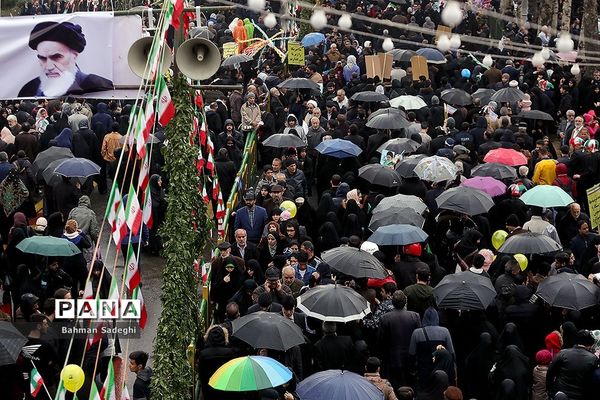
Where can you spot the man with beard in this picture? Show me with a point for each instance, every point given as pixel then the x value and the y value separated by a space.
pixel 58 46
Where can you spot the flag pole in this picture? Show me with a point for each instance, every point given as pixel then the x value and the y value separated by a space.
pixel 43 383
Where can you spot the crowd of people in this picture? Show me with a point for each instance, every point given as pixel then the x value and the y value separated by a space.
pixel 518 348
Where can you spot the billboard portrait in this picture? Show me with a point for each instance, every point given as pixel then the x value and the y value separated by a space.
pixel 59 55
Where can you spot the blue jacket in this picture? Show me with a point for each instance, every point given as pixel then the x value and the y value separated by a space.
pixel 307 274
pixel 5 168
pixel 242 220
pixel 102 117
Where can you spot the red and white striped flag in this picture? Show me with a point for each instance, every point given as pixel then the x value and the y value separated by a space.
pixel 216 189
pixel 200 160
pixel 220 206
pixel 205 194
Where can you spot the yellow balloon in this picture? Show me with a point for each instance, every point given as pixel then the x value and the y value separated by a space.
pixel 289 206
pixel 498 238
pixel 523 261
pixel 73 377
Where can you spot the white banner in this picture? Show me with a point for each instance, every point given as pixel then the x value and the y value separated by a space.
pixel 67 54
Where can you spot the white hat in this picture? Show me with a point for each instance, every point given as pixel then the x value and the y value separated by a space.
pixel 369 247
pixel 40 224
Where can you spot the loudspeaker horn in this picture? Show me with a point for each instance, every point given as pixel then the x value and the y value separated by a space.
pixel 138 54
pixel 198 58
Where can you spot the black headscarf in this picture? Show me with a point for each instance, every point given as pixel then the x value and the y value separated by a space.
pixel 513 365
pixel 436 386
pixel 569 334
pixel 509 336
pixel 507 390
pixel 444 361
pixel 478 364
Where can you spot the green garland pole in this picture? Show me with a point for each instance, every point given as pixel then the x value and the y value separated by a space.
pixel 186 231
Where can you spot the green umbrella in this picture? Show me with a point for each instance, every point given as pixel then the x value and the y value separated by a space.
pixel 251 373
pixel 48 246
pixel 546 196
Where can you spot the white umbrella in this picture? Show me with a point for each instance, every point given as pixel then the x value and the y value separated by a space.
pixel 408 102
pixel 436 169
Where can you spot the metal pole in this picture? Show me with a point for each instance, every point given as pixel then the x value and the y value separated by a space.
pixel 200 87
pixel 141 11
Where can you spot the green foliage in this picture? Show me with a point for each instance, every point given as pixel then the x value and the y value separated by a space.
pixel 185 231
pixel 305 14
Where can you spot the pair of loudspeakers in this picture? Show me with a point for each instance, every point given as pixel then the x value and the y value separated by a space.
pixel 197 58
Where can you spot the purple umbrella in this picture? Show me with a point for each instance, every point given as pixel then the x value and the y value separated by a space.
pixel 491 186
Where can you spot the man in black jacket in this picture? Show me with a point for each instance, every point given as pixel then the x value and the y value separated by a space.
pixel 333 351
pixel 137 364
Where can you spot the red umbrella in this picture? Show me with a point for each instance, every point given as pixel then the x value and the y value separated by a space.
pixel 506 156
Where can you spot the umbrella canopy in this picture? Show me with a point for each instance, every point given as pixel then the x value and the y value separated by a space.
pixel 236 59
pixel 408 102
pixel 506 156
pixel 398 235
pixel 546 196
pixel 250 373
pixel 44 158
pixel 396 215
pixel 409 201
pixel 464 291
pixel 335 384
pixel 535 114
pixel 388 120
pixel 266 330
pixel 313 39
pixel 11 343
pixel 377 174
pixel 433 56
pixel 299 83
pixel 388 110
pixel 456 97
pixel 486 184
pixel 283 140
pixel 369 97
pixel 48 246
pixel 495 170
pixel 436 169
pixel 399 145
pixel 484 95
pixel 52 178
pixel 570 291
pixel 152 139
pixel 338 148
pixel 508 95
pixel 333 303
pixel 406 166
pixel 465 200
pixel 529 243
pixel 402 55
pixel 354 262
pixel 77 168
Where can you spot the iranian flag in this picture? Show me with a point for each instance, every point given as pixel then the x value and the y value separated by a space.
pixel 108 391
pixel 134 276
pixel 205 194
pixel 137 295
pixel 178 7
pixel 149 120
pixel 140 124
pixel 166 108
pixel 88 292
pixel 202 130
pixel 94 395
pixel 133 214
pixel 120 229
pixel 147 213
pixel 61 393
pixel 125 392
pixel 144 177
pixel 216 188
pixel 35 382
pixel 116 216
pixel 200 160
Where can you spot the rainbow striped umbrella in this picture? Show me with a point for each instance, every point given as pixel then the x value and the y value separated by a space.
pixel 250 373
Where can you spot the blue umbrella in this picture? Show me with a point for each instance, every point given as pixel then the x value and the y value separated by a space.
pixel 335 384
pixel 77 168
pixel 338 148
pixel 433 56
pixel 398 235
pixel 313 39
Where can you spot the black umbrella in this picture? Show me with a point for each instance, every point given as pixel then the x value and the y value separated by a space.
pixel 44 159
pixel 354 262
pixel 52 178
pixel 399 145
pixel 388 120
pixel 334 303
pixel 406 166
pixel 495 170
pixel 388 110
pixel 402 55
pixel 267 330
pixel 536 115
pixel 570 291
pixel 11 343
pixel 283 140
pixel 465 200
pixel 456 97
pixel 508 95
pixel 464 291
pixel 377 174
pixel 236 59
pixel 299 83
pixel 212 95
pixel 484 95
pixel 529 243
pixel 396 215
pixel 369 97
